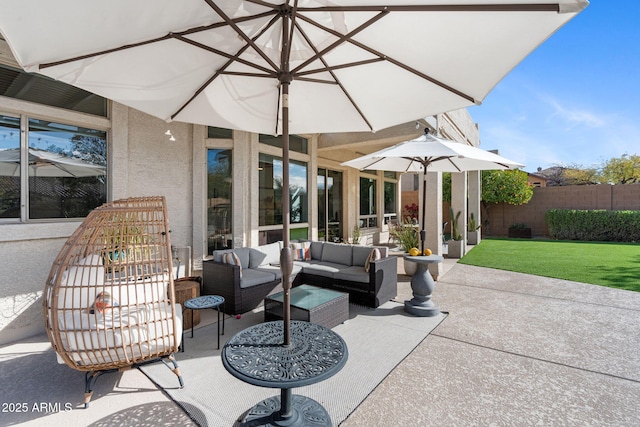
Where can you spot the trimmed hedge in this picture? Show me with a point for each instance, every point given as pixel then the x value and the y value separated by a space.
pixel 594 225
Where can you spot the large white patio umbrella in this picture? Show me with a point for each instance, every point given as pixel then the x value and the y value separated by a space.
pixel 353 65
pixel 428 153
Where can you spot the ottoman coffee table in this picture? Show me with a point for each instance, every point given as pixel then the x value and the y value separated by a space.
pixel 323 307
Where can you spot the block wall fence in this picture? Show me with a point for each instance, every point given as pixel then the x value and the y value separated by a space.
pixel 500 216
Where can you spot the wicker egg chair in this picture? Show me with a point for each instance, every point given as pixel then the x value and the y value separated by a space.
pixel 108 299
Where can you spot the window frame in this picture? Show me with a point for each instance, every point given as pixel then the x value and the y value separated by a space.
pixel 25 110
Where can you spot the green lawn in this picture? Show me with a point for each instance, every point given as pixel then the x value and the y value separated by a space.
pixel 616 265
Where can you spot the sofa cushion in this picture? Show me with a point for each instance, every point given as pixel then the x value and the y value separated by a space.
pixel 360 254
pixel 232 258
pixel 336 253
pixel 324 269
pixel 354 273
pixel 253 277
pixel 275 269
pixel 243 254
pixel 316 250
pixel 265 255
pixel 218 254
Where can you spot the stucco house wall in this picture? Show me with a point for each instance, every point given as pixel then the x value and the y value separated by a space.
pixel 143 161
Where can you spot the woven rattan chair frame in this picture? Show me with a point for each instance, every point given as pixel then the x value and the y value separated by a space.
pixel 108 299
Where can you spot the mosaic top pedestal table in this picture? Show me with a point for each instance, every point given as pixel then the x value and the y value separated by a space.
pixel 257 356
pixel 422 285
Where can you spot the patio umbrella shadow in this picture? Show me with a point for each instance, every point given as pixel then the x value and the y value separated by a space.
pixel 152 414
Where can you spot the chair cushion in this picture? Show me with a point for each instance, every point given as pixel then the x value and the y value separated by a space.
pixel 81 282
pixel 336 253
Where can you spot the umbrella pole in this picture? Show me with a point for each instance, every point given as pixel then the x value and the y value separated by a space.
pixel 286 257
pixel 423 231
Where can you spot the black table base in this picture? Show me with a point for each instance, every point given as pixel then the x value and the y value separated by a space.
pixel 304 412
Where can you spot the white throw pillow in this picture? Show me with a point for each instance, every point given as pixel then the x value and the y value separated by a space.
pixel 373 256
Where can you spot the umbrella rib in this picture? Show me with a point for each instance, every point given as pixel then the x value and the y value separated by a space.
pixel 529 7
pixel 341 38
pixel 169 36
pixel 227 64
pixel 336 79
pixel 286 52
pixel 338 67
pixel 241 33
pixel 233 58
pixel 393 61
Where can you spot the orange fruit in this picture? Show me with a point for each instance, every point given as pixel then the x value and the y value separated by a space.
pixel 414 251
pixel 427 252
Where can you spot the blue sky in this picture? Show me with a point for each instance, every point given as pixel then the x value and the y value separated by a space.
pixel 574 100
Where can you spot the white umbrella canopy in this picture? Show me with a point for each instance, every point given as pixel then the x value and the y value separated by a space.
pixel 353 65
pixel 357 65
pixel 47 164
pixel 432 154
pixel 428 153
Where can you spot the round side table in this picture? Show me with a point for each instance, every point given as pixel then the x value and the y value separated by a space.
pixel 201 303
pixel 422 285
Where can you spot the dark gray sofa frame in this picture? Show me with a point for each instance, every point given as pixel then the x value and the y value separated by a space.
pixel 224 280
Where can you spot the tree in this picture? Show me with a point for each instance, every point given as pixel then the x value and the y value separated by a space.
pixel 498 186
pixel 572 175
pixel 508 186
pixel 623 170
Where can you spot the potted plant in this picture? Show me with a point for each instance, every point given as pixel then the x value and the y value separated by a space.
pixel 407 237
pixel 355 235
pixel 473 230
pixel 520 231
pixel 455 246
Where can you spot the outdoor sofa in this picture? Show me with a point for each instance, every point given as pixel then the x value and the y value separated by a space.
pixel 329 265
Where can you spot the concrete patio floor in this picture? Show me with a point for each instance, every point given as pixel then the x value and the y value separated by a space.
pixel 515 350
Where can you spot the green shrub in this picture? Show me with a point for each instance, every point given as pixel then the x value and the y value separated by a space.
pixel 594 225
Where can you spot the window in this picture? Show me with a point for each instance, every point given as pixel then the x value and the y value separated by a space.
pixel 64 176
pixel 390 201
pixel 270 191
pixel 330 205
pixel 368 203
pixel 214 132
pixel 19 84
pixel 296 143
pixel 219 199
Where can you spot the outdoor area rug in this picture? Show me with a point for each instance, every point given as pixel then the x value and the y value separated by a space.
pixel 377 340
